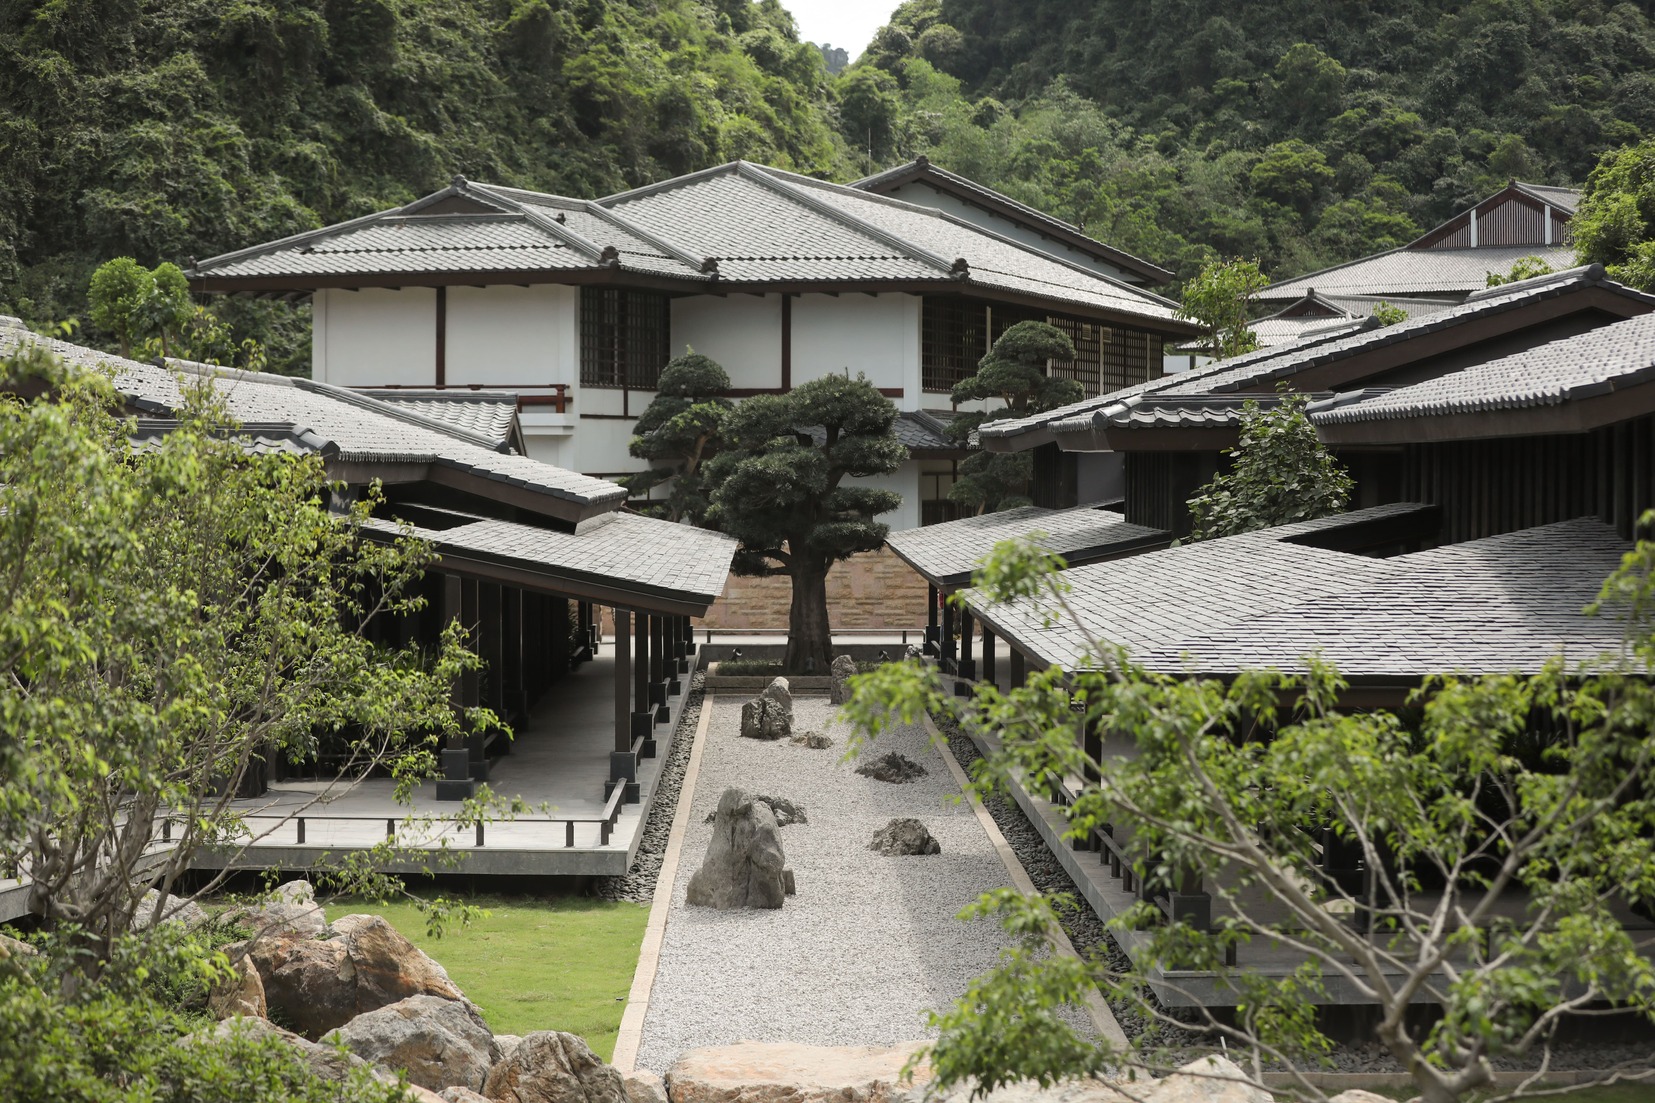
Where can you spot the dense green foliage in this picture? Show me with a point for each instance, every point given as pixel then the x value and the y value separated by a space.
pixel 1220 297
pixel 679 433
pixel 1280 473
pixel 781 485
pixel 170 622
pixel 161 129
pixel 1014 374
pixel 1501 824
pixel 1616 223
pixel 1301 133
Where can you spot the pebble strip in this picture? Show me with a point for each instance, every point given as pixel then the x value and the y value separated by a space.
pixel 867 946
pixel 637 886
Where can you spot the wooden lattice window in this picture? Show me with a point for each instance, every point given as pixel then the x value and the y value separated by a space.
pixel 1125 359
pixel 1086 367
pixel 953 338
pixel 624 337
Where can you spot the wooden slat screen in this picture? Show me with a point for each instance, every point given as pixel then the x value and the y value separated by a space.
pixel 624 337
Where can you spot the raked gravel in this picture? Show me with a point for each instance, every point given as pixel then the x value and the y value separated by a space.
pixel 869 944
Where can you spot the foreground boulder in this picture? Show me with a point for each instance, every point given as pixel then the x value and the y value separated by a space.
pixel 762 718
pixel 898 769
pixel 462 1095
pixel 780 694
pixel 240 994
pixel 786 812
pixel 840 672
pixel 1207 1080
pixel 291 911
pixel 325 1062
pixel 550 1066
pixel 14 953
pixel 744 863
pixel 317 985
pixel 439 1043
pixel 779 1072
pixel 644 1086
pixel 175 910
pixel 902 837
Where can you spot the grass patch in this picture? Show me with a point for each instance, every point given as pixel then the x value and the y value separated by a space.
pixel 536 964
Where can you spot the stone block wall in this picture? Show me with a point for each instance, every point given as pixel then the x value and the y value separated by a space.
pixel 871 591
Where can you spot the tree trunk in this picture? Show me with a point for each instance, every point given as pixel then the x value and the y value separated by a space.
pixel 809 640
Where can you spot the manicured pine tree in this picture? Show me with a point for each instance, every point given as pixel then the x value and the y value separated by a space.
pixel 779 485
pixel 679 434
pixel 1015 373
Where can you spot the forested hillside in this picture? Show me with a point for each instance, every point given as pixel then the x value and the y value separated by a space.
pixel 166 128
pixel 1297 132
pixel 1300 132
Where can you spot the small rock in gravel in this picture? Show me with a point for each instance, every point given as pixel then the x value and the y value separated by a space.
pixel 786 812
pixel 765 718
pixel 902 837
pixel 644 1086
pixel 843 668
pixel 895 768
pixel 816 741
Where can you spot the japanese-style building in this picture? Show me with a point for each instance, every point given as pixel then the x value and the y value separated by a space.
pixel 573 306
pixel 1448 263
pixel 532 558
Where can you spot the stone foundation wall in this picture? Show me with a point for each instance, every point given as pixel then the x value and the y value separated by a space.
pixel 871 591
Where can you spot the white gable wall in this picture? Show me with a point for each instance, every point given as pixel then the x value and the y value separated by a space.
pixel 923 195
pixel 876 335
pixel 375 336
pixel 513 336
pixel 741 332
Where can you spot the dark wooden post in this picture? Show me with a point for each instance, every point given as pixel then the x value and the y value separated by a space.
pixel 511 627
pixel 968 665
pixel 557 639
pixel 676 666
pixel 490 601
pixel 623 766
pixel 948 646
pixel 933 631
pixel 643 715
pixel 989 674
pixel 455 783
pixel 658 671
pixel 1019 668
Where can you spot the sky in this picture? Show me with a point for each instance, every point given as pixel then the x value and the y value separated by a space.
pixel 847 23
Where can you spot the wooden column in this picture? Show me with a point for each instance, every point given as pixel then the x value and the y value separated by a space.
pixel 471 680
pixel 989 675
pixel 455 783
pixel 491 643
pixel 948 646
pixel 643 716
pixel 933 631
pixel 557 639
pixel 968 665
pixel 513 643
pixel 623 764
pixel 1019 668
pixel 658 666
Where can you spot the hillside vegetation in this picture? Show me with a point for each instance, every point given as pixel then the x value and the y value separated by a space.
pixel 1299 132
pixel 1296 132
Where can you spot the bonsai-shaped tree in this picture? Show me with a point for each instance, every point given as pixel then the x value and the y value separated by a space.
pixel 777 485
pixel 1282 473
pixel 133 302
pixel 679 433
pixel 1014 371
pixel 1220 297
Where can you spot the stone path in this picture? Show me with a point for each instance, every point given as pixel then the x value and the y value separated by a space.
pixel 867 946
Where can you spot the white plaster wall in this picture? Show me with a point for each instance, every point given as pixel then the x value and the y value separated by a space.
pixel 600 443
pixel 905 481
pixel 741 332
pixel 876 335
pixel 922 196
pixel 375 336
pixel 513 336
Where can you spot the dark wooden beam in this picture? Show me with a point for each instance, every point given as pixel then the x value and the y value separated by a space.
pixel 442 336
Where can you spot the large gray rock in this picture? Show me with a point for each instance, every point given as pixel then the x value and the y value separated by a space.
pixel 176 909
pixel 902 837
pixel 507 1044
pixel 744 863
pixel 1207 1080
pixel 782 694
pixel 550 1066
pixel 463 1095
pixel 839 687
pixel 240 994
pixel 898 769
pixel 786 812
pixel 782 1072
pixel 324 1061
pixel 439 1043
pixel 763 718
pixel 291 911
pixel 316 985
pixel 14 953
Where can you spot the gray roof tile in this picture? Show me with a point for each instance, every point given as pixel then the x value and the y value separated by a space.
pixel 947 553
pixel 489 415
pixel 1417 272
pixel 1596 362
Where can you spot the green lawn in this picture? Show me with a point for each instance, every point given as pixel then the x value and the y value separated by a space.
pixel 536 964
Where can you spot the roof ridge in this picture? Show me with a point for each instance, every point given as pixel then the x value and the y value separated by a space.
pixel 763 176
pixel 391 410
pixel 945 216
pixel 728 167
pixel 649 237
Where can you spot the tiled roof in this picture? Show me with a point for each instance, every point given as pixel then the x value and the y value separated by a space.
pixel 1417 272
pixel 947 553
pixel 1504 604
pixel 1597 362
pixel 733 225
pixel 925 431
pixel 490 415
pixel 362 428
pixel 922 169
pixel 625 550
pixel 1565 199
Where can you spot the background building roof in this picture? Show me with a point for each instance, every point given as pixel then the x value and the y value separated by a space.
pixel 947 553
